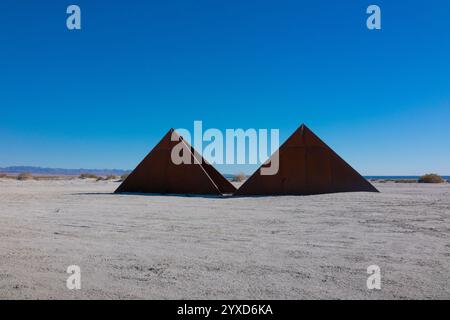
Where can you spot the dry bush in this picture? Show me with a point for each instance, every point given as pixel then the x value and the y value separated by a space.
pixel 239 177
pixel 2 175
pixel 405 181
pixel 124 176
pixel 431 178
pixel 88 176
pixel 111 177
pixel 24 176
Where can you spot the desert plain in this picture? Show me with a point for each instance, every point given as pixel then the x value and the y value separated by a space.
pixel 186 247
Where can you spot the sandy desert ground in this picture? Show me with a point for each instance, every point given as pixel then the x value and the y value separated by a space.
pixel 172 247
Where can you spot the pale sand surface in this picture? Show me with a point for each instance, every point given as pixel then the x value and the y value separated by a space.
pixel 165 247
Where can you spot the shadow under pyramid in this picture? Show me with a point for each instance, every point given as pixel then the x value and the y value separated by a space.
pixel 307 166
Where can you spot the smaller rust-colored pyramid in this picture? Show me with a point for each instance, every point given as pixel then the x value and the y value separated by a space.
pixel 158 174
pixel 307 166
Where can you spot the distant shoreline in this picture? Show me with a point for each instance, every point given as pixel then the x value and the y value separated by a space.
pixel 398 177
pixel 105 172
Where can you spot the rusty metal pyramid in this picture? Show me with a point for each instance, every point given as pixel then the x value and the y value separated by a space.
pixel 306 166
pixel 158 174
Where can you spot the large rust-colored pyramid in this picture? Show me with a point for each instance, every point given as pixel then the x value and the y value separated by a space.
pixel 158 174
pixel 306 166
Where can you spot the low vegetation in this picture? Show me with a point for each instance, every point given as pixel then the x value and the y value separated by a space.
pixel 124 176
pixel 431 178
pixel 405 180
pixel 88 176
pixel 2 175
pixel 109 177
pixel 25 176
pixel 394 180
pixel 239 177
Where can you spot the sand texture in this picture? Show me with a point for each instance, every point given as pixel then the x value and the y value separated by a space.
pixel 173 247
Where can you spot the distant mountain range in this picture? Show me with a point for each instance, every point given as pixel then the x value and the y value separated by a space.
pixel 60 171
pixel 69 172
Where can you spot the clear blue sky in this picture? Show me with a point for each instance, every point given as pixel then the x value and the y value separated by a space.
pixel 103 96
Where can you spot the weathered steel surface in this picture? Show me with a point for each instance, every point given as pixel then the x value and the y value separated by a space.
pixel 224 186
pixel 306 166
pixel 158 174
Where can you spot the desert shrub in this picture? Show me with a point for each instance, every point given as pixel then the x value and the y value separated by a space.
pixel 239 177
pixel 124 176
pixel 46 178
pixel 405 181
pixel 25 176
pixel 2 175
pixel 111 177
pixel 88 176
pixel 100 179
pixel 431 178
